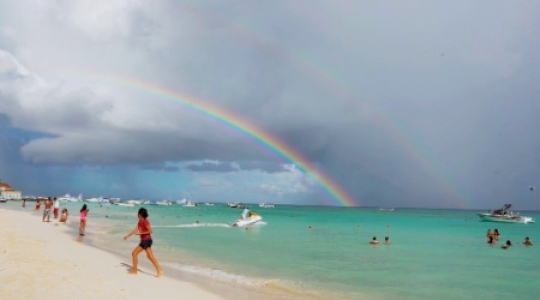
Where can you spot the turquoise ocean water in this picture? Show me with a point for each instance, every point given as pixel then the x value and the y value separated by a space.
pixel 433 254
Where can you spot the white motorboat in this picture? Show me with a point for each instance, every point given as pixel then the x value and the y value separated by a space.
pixel 114 200
pixel 135 202
pixel 125 204
pixel 505 215
pixel 252 219
pixel 100 200
pixel 267 205
pixel 164 202
pixel 69 198
pixel 209 204
pixel 3 200
pixel 190 204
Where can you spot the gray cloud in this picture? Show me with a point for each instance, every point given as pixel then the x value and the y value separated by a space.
pixel 404 104
pixel 212 167
pixel 228 167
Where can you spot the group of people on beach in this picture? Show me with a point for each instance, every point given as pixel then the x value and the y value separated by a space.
pixel 50 206
pixel 493 237
pixel 143 229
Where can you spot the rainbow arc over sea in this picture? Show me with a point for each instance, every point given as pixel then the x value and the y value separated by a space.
pixel 332 189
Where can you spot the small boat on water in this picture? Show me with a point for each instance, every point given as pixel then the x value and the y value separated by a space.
pixel 267 205
pixel 69 198
pixel 164 202
pixel 209 204
pixel 190 204
pixel 252 219
pixel 124 204
pixel 505 215
pixel 3 200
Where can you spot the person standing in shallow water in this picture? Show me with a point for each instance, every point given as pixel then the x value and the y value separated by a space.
pixel 56 207
pixel 496 234
pixel 47 210
pixel 143 229
pixel 82 226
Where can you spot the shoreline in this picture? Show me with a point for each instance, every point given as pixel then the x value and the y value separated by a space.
pixel 43 260
pixel 61 254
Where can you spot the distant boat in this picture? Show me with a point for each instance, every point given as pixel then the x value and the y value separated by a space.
pixel 3 200
pixel 387 209
pixel 69 198
pixel 209 204
pixel 135 202
pixel 505 215
pixel 114 200
pixel 190 204
pixel 164 202
pixel 125 204
pixel 236 205
pixel 267 205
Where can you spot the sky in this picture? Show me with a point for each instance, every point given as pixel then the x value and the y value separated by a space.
pixel 429 104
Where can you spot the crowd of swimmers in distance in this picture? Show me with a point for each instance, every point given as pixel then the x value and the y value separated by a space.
pixel 493 237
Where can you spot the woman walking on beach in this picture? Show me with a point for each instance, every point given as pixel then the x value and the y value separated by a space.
pixel 82 226
pixel 144 230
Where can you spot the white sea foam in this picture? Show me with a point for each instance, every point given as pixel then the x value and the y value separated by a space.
pixel 193 225
pixel 229 277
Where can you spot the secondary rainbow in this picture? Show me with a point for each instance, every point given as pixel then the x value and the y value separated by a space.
pixel 413 147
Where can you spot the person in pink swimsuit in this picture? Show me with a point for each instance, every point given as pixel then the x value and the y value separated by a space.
pixel 144 230
pixel 84 212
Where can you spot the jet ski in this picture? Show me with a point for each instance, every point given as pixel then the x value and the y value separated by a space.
pixel 252 219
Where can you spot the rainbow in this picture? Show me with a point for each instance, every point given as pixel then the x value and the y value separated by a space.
pixel 415 149
pixel 330 187
pixel 412 146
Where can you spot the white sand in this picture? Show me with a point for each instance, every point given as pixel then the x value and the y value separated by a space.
pixel 45 261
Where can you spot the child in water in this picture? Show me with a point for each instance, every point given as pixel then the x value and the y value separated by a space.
pixel 144 230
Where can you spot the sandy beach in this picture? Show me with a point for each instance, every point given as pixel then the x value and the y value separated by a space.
pixel 46 261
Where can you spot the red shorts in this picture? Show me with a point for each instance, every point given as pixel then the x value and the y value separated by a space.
pixel 55 211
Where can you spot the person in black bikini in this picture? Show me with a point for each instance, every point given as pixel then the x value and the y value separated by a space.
pixel 144 230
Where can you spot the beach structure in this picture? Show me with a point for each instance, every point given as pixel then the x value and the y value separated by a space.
pixel 7 192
